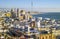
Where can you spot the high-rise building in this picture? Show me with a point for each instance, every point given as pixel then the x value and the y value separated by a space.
pixel 22 15
pixel 13 15
pixel 29 16
pixel 18 12
pixel 12 12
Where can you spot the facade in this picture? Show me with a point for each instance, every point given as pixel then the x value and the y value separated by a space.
pixel 47 36
pixel 33 23
pixel 18 12
pixel 13 14
pixel 22 15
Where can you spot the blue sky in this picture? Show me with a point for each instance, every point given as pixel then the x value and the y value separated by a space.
pixel 27 3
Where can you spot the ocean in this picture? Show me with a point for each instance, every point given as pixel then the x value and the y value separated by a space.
pixel 52 15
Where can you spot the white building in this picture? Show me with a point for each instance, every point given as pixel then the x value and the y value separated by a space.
pixel 38 24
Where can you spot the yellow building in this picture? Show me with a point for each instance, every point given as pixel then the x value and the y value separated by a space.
pixel 47 36
pixel 8 14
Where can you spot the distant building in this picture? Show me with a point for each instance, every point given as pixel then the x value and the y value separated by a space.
pixel 13 15
pixel 18 12
pixel 22 15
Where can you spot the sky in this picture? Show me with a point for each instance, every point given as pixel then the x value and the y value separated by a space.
pixel 37 4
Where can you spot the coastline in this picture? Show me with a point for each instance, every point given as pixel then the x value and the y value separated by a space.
pixel 36 13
